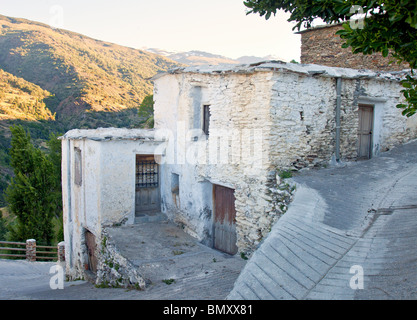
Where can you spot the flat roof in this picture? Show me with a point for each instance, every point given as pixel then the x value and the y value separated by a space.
pixel 108 134
pixel 281 66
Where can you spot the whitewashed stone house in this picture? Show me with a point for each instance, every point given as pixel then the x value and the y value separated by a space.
pixel 222 137
pixel 99 188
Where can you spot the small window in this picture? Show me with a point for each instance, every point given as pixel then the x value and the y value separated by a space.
pixel 175 183
pixel 206 119
pixel 78 167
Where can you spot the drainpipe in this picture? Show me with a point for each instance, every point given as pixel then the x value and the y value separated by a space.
pixel 338 104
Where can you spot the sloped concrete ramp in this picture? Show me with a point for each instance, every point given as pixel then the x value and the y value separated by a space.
pixel 176 265
pixel 350 233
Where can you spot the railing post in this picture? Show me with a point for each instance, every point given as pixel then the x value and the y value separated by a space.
pixel 31 250
pixel 61 251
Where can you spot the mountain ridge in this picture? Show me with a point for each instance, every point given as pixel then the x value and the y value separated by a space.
pixel 197 57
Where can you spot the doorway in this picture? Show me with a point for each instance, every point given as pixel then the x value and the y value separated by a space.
pixel 147 192
pixel 224 224
pixel 90 242
pixel 365 132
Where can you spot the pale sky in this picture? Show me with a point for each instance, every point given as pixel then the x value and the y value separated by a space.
pixel 215 26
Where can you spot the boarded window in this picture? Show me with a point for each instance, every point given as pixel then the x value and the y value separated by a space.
pixel 78 167
pixel 206 119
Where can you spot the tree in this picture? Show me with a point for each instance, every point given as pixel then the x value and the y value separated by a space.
pixel 31 194
pixel 146 112
pixel 54 155
pixel 3 228
pixel 386 26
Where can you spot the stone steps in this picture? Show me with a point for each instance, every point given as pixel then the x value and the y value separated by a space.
pixel 144 218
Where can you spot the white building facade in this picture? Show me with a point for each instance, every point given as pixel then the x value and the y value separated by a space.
pixel 223 138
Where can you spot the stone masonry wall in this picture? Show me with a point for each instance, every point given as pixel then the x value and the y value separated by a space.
pixel 304 112
pixel 390 127
pixel 262 124
pixel 235 155
pixel 240 115
pixel 322 46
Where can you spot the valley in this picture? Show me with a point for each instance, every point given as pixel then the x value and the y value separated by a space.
pixel 53 80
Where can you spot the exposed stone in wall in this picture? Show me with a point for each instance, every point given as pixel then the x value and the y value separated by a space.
pixel 265 119
pixel 31 250
pixel 114 270
pixel 254 225
pixel 322 46
pixel 303 108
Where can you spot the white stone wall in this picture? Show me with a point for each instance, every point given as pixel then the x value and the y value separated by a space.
pixel 263 121
pixel 304 111
pixel 235 154
pixel 390 126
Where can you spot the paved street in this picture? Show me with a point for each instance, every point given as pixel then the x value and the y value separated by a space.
pixel 160 252
pixel 350 233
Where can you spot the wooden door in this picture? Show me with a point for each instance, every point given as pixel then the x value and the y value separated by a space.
pixel 224 219
pixel 147 197
pixel 90 241
pixel 366 116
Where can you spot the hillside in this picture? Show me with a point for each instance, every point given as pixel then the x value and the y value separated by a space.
pixel 83 75
pixel 53 80
pixel 20 99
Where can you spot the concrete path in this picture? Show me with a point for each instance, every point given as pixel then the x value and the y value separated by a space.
pixel 350 233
